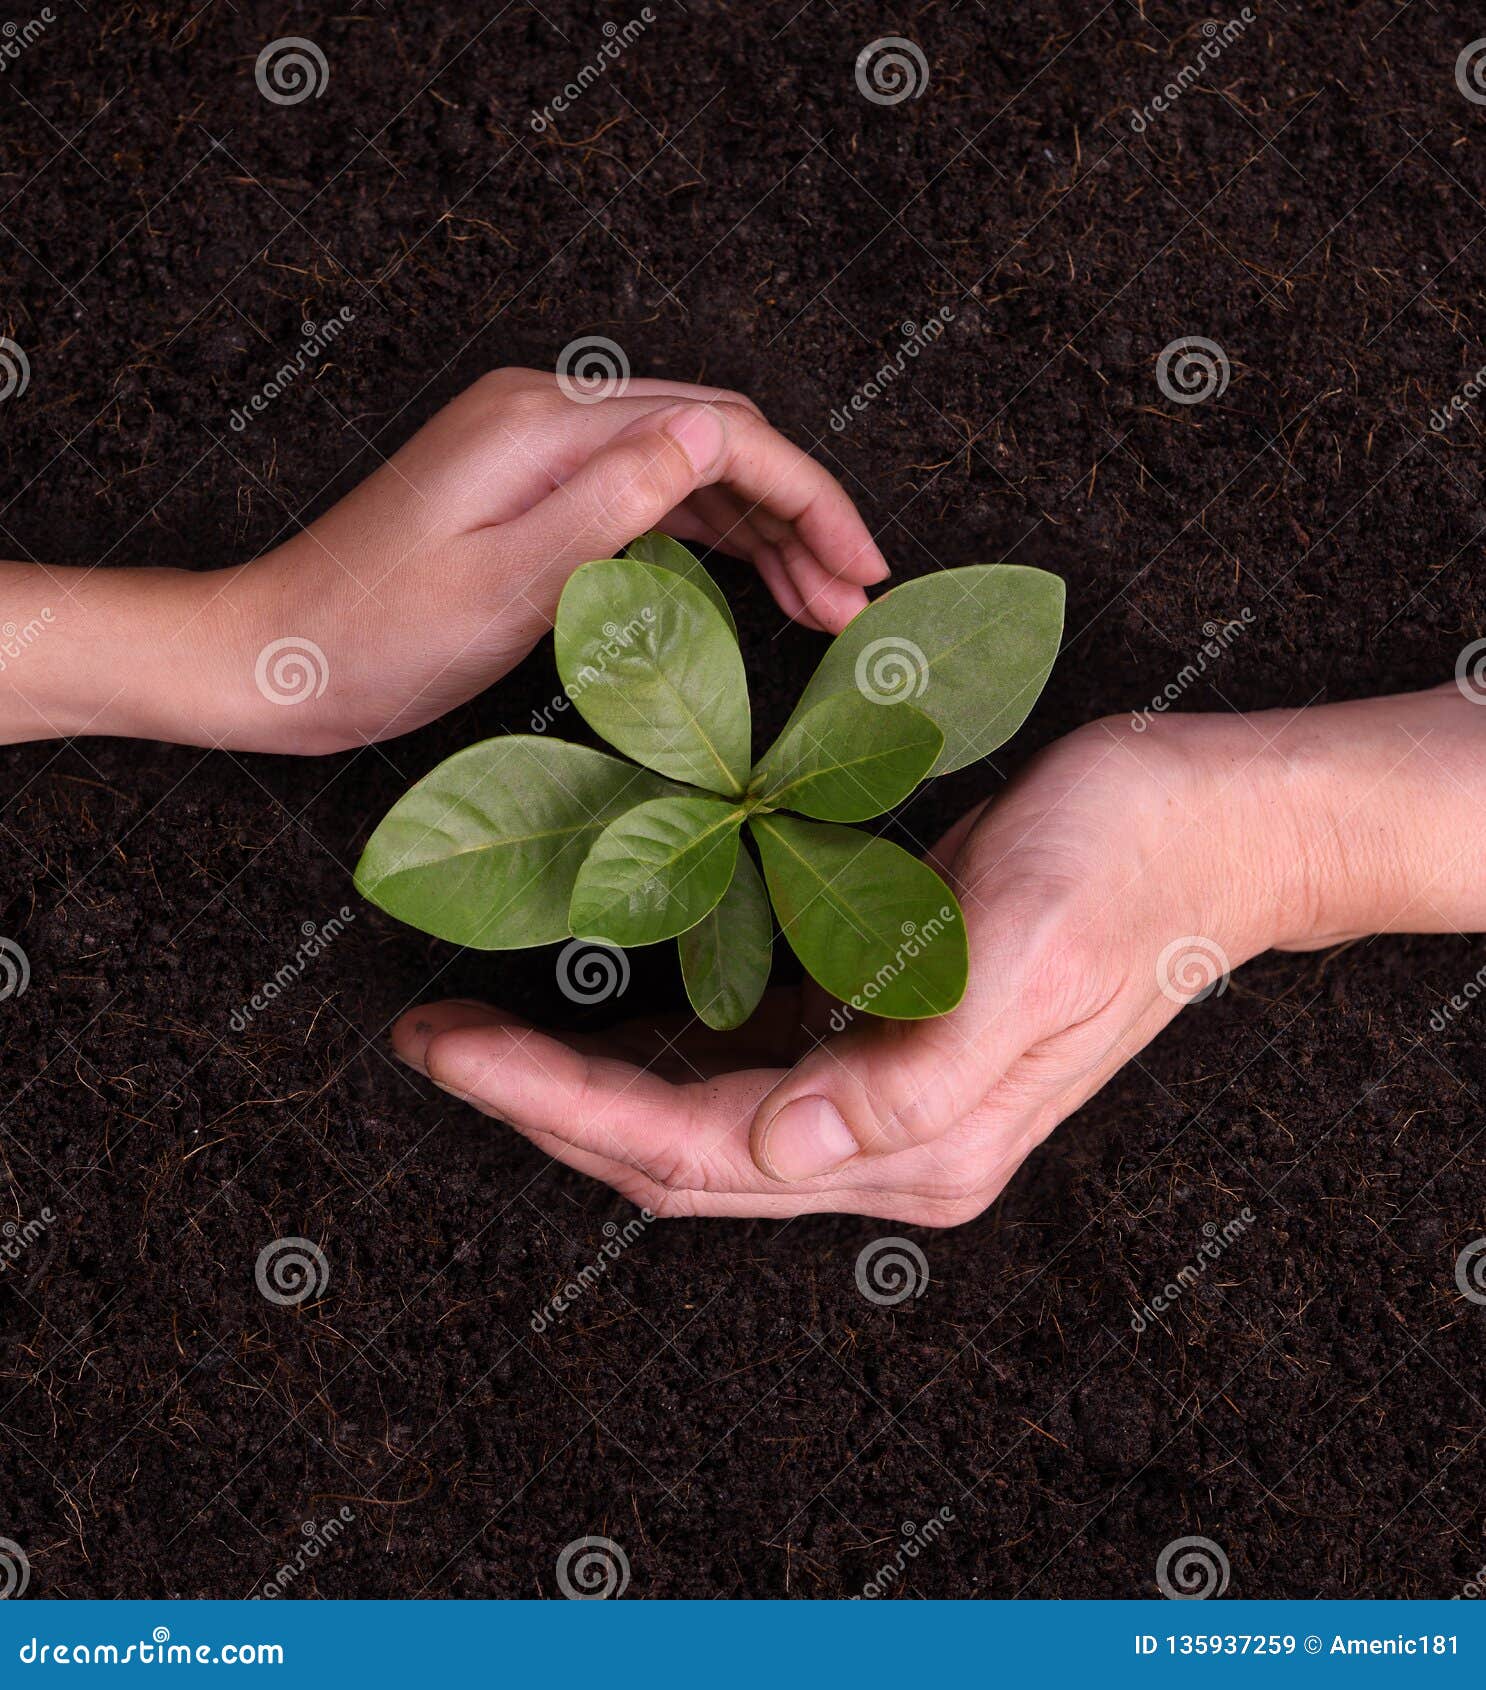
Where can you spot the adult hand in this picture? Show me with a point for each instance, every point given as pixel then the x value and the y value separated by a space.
pixel 1122 874
pixel 437 574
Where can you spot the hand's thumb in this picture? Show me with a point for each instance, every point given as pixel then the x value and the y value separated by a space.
pixel 625 488
pixel 870 1092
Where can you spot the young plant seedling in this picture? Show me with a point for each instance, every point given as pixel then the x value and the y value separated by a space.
pixel 527 840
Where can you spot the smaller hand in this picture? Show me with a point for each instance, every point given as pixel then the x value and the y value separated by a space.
pixel 443 569
pixel 1118 876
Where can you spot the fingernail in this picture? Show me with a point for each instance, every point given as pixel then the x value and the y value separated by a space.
pixel 806 1138
pixel 409 1045
pixel 701 434
pixel 881 572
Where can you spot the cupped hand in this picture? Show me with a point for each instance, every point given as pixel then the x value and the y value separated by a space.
pixel 443 569
pixel 1121 875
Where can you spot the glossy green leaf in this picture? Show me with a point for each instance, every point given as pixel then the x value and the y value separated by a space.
pixel 656 870
pixel 874 925
pixel 725 958
pixel 972 648
pixel 652 666
pixel 666 553
pixel 484 850
pixel 847 759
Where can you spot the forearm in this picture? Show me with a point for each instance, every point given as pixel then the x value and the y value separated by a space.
pixel 1370 812
pixel 107 651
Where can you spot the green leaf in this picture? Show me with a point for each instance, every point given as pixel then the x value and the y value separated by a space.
pixel 651 665
pixel 656 870
pixel 972 648
pixel 875 926
pixel 847 759
pixel 484 850
pixel 725 958
pixel 665 553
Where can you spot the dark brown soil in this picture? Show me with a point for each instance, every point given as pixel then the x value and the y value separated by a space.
pixel 726 205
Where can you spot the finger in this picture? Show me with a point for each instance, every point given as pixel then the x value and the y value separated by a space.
pixel 886 1086
pixel 832 603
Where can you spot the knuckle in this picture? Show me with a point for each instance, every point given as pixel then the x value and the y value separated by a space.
pixel 635 481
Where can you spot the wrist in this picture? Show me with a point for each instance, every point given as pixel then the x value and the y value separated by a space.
pixel 1349 819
